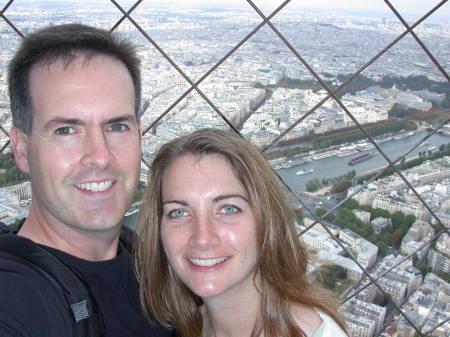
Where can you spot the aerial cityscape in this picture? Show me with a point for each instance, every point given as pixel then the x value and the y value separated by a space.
pixel 395 222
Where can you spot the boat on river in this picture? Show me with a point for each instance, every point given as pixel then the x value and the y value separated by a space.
pixel 360 158
pixel 365 147
pixel 301 172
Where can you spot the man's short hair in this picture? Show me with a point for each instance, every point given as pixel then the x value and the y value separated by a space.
pixel 67 43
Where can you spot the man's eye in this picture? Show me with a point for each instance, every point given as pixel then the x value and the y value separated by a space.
pixel 177 213
pixel 118 127
pixel 229 210
pixel 65 130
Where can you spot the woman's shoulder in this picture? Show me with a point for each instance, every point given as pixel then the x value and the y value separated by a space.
pixel 330 327
pixel 306 317
pixel 316 323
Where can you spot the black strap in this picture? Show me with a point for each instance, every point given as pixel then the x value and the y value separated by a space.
pixel 127 238
pixel 86 316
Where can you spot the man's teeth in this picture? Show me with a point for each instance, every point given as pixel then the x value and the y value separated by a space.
pixel 95 187
pixel 207 262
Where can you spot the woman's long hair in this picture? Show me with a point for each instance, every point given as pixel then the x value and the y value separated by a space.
pixel 282 259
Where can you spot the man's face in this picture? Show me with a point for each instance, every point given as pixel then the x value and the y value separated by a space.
pixel 83 154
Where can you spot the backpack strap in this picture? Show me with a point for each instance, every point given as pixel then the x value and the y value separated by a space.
pixel 127 238
pixel 86 317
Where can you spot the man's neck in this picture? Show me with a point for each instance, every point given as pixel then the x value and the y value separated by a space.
pixel 86 245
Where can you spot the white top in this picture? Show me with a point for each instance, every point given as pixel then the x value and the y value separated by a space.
pixel 328 327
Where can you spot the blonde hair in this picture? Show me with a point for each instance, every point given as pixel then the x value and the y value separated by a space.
pixel 282 260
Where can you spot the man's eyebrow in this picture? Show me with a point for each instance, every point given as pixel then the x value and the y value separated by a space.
pixel 62 120
pixel 124 118
pixel 75 121
pixel 229 196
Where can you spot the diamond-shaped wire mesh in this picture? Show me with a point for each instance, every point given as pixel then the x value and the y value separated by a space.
pixel 286 78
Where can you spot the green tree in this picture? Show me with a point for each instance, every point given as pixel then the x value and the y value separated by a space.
pixel 444 276
pixel 313 185
pixel 299 217
pixel 395 238
pixel 409 220
pixel 340 187
pixel 320 211
pixel 398 218
pixel 380 213
pixel 351 204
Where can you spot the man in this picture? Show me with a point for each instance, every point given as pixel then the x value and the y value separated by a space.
pixel 75 99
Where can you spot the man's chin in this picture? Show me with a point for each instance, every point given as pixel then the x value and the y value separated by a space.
pixel 101 224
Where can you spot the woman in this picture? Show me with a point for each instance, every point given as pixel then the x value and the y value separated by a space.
pixel 219 252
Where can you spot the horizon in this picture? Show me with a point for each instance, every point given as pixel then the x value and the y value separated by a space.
pixel 404 7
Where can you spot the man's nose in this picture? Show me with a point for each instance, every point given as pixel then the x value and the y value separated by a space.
pixel 97 151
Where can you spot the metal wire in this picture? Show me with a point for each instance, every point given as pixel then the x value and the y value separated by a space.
pixel 7 20
pixel 433 59
pixel 177 68
pixel 343 107
pixel 113 28
pixel 360 70
pixel 126 15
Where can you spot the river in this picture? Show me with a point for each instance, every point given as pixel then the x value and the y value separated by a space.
pixel 334 166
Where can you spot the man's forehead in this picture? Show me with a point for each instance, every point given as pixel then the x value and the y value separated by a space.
pixel 97 89
pixel 70 63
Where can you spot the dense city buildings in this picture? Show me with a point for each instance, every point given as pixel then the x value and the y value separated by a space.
pixel 439 255
pixel 431 180
pixel 263 89
pixel 426 307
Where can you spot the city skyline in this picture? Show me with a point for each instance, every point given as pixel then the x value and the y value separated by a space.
pixel 404 7
pixel 264 90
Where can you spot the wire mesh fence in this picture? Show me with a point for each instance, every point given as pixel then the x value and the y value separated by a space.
pixel 281 76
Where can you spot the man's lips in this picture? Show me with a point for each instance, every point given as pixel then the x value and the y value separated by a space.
pixel 96 186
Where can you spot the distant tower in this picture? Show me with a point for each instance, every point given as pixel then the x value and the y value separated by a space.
pixel 283 77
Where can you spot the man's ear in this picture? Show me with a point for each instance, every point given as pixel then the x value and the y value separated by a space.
pixel 19 143
pixel 140 130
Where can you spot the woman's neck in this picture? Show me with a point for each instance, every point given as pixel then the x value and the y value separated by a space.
pixel 230 316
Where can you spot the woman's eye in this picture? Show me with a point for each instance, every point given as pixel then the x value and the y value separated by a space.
pixel 65 130
pixel 229 210
pixel 176 213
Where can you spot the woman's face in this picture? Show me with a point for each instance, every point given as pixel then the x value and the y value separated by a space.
pixel 208 228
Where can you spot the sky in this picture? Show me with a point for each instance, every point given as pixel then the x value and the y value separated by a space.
pixel 403 6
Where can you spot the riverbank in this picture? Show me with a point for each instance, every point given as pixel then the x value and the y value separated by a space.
pixel 331 167
pixel 320 192
pixel 326 189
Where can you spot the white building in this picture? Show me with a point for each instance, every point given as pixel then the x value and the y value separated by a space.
pixel 439 256
pixel 369 311
pixel 415 237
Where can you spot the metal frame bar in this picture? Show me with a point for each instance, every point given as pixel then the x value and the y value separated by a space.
pixel 194 85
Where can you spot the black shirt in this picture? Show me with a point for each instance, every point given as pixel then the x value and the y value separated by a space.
pixel 30 307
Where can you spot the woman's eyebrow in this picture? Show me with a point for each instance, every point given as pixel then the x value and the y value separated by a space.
pixel 175 202
pixel 229 196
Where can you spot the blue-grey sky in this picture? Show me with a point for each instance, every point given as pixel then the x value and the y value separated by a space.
pixel 403 6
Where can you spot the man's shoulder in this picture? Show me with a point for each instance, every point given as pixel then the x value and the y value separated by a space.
pixel 17 279
pixel 28 303
pixel 54 284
